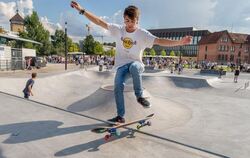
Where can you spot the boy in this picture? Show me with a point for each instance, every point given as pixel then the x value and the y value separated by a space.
pixel 130 44
pixel 27 91
pixel 236 74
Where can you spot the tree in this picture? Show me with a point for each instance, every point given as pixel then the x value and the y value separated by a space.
pixel 152 52
pixel 172 53
pixel 58 42
pixel 98 48
pixel 35 31
pixel 89 44
pixel 178 53
pixel 145 53
pixel 163 53
pixel 111 52
pixel 74 47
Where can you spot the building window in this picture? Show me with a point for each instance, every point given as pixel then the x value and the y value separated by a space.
pixel 224 39
pixel 206 48
pixel 239 54
pixel 205 56
pixel 231 58
pixel 232 48
pixel 241 45
pixel 219 57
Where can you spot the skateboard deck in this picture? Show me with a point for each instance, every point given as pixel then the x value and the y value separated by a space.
pixel 113 130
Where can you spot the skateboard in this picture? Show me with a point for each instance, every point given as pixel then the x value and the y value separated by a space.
pixel 113 131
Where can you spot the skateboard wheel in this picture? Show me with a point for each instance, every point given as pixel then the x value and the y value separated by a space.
pixel 138 127
pixel 118 133
pixel 149 123
pixel 141 122
pixel 107 137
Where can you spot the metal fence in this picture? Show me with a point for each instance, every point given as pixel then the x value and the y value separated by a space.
pixel 12 64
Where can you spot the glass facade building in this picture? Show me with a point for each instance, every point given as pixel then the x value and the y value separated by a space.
pixel 176 34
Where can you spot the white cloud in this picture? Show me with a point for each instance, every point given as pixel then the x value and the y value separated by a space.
pixel 25 7
pixel 77 29
pixel 51 27
pixel 178 13
pixel 247 19
pixel 8 10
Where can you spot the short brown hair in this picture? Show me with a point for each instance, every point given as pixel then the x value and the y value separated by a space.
pixel 33 75
pixel 132 12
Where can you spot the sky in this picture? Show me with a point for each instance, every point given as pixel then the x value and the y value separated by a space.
pixel 214 15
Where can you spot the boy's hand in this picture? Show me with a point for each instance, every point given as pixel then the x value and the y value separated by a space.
pixel 186 40
pixel 75 5
pixel 31 94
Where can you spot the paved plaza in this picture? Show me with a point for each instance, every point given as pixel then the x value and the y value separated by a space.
pixel 196 116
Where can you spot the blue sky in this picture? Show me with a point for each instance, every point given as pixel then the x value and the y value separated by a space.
pixel 214 15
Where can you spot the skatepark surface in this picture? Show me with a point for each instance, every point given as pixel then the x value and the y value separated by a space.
pixel 195 116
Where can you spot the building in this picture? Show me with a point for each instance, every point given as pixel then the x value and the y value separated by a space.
pixel 176 34
pixel 17 23
pixel 223 47
pixel 14 58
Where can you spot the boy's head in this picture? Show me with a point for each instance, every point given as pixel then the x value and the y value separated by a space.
pixel 131 17
pixel 33 75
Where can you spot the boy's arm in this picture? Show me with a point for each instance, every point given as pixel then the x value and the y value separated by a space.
pixel 170 43
pixel 30 90
pixel 89 15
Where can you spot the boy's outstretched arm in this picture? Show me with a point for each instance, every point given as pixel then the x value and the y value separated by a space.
pixel 95 19
pixel 170 43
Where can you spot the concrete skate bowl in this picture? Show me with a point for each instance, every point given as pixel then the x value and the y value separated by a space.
pixel 165 82
pixel 101 105
pixel 59 90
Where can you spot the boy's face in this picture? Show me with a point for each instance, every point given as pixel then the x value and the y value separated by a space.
pixel 131 24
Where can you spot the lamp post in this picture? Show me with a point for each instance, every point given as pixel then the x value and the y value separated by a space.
pixel 66 48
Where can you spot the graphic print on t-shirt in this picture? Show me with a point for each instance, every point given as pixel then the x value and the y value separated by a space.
pixel 128 42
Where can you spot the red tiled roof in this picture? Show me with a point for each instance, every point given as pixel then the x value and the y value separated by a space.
pixel 235 37
pixel 211 38
pixel 17 18
pixel 239 38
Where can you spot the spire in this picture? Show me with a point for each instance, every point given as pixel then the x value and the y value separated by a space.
pixel 17 10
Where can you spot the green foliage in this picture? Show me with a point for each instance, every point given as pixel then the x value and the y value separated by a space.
pixel 58 42
pixel 74 47
pixel 98 48
pixel 88 45
pixel 145 53
pixel 152 52
pixel 35 31
pixel 172 53
pixel 163 53
pixel 177 53
pixel 110 52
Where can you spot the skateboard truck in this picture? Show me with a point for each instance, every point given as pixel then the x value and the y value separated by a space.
pixel 143 123
pixel 112 132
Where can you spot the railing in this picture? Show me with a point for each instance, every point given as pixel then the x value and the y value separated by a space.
pixel 12 65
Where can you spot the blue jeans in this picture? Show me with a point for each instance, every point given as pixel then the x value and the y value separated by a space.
pixel 135 70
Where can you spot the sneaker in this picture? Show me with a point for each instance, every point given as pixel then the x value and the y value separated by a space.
pixel 117 119
pixel 144 102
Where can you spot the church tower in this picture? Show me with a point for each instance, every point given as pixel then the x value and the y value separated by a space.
pixel 17 23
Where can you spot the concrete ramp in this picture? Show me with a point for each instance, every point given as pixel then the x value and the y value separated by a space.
pixel 101 104
pixel 175 82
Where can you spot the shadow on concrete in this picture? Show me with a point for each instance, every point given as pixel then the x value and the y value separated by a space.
pixel 1 154
pixel 91 146
pixel 100 97
pixel 31 131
